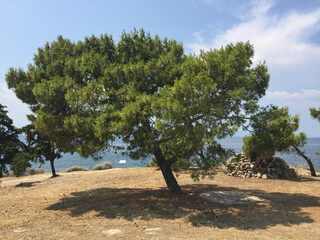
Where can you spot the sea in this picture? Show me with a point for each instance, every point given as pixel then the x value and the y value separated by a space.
pixel 68 160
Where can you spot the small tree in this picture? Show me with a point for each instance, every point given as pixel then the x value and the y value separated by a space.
pixel 20 163
pixel 315 113
pixel 273 130
pixel 41 148
pixel 9 142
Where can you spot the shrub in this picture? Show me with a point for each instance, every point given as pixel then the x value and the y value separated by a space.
pixel 9 174
pixel 34 171
pixel 178 165
pixel 153 163
pixel 75 168
pixel 20 163
pixel 103 166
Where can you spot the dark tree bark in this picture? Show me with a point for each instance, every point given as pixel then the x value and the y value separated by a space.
pixel 52 168
pixel 165 167
pixel 313 172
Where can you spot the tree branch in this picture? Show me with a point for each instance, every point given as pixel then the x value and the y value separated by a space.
pixel 163 140
pixel 172 160
pixel 312 170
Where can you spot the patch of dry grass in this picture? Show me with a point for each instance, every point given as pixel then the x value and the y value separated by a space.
pixel 75 169
pixel 103 166
pixel 87 205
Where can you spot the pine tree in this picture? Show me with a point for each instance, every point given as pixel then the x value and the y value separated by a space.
pixel 9 142
pixel 144 90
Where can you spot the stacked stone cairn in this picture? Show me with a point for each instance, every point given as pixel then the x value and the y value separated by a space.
pixel 267 168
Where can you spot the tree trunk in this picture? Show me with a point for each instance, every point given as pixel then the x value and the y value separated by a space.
pixel 165 167
pixel 313 172
pixel 52 168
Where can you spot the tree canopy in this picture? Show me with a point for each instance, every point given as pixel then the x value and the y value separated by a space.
pixel 10 144
pixel 315 113
pixel 40 147
pixel 144 90
pixel 273 130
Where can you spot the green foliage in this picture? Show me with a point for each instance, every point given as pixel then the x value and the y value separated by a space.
pixel 180 164
pixel 20 163
pixel 315 113
pixel 143 89
pixel 39 145
pixel 153 163
pixel 75 169
pixel 34 171
pixel 273 129
pixel 10 145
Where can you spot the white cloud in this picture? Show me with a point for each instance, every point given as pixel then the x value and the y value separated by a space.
pixel 280 40
pixel 198 37
pixel 284 41
pixel 306 94
pixel 17 110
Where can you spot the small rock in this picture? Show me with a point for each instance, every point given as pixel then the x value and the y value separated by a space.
pixel 112 232
pixel 226 197
pixel 152 230
pixel 20 230
pixel 264 176
pixel 270 176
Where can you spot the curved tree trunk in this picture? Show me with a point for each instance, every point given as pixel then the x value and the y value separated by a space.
pixel 52 168
pixel 165 167
pixel 313 172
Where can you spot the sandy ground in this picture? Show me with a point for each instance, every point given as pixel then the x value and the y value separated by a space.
pixel 135 204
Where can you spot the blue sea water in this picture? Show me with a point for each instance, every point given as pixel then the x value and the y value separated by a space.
pixel 312 146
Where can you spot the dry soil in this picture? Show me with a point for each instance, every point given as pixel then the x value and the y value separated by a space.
pixel 135 204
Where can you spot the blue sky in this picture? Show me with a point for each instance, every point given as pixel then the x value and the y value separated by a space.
pixel 285 33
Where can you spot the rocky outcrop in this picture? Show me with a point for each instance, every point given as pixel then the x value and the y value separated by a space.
pixel 268 168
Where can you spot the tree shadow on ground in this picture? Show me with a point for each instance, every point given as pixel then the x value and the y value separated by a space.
pixel 306 179
pixel 27 184
pixel 147 204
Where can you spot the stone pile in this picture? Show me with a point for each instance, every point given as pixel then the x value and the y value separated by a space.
pixel 267 168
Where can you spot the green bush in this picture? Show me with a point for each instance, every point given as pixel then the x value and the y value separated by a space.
pixel 103 166
pixel 9 174
pixel 75 168
pixel 34 171
pixel 153 163
pixel 20 163
pixel 273 130
pixel 254 146
pixel 178 165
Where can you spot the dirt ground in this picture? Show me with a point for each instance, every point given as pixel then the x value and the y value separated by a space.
pixel 135 204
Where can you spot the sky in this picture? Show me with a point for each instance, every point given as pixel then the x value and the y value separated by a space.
pixel 285 34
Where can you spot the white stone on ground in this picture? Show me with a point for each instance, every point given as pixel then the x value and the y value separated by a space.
pixel 152 230
pixel 112 232
pixel 226 197
pixel 20 230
